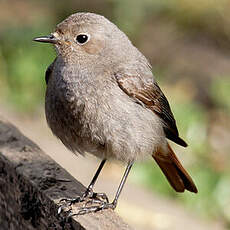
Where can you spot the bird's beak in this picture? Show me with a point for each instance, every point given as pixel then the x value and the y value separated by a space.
pixel 47 39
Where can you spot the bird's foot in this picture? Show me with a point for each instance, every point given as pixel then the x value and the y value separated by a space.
pixel 98 197
pixel 95 206
pixel 66 203
pixel 89 197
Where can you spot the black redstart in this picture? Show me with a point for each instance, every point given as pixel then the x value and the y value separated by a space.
pixel 102 99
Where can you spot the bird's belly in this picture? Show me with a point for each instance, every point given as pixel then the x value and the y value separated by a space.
pixel 131 131
pixel 110 126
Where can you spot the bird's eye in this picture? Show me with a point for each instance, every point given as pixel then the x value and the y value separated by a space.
pixel 82 39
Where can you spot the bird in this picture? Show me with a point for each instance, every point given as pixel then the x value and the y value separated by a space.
pixel 103 99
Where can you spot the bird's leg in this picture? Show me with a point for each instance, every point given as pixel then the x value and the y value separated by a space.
pixel 105 204
pixel 88 193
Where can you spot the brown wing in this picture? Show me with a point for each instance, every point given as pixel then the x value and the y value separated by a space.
pixel 49 71
pixel 150 94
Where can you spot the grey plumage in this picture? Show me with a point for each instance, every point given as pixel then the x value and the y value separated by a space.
pixel 102 97
pixel 85 107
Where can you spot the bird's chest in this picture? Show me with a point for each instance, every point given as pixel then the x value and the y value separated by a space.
pixel 73 104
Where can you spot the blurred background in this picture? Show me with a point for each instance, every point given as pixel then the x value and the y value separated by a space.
pixel 188 44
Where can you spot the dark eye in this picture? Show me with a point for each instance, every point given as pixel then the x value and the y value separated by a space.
pixel 82 38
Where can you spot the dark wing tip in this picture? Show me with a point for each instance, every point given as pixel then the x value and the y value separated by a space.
pixel 176 139
pixel 172 135
pixel 181 142
pixel 193 189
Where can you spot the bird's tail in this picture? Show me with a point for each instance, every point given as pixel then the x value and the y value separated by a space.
pixel 177 176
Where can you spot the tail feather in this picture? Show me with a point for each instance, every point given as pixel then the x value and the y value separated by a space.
pixel 177 176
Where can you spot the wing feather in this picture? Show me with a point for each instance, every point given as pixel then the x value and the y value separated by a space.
pixel 150 94
pixel 49 71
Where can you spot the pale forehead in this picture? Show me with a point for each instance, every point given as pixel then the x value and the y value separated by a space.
pixel 83 19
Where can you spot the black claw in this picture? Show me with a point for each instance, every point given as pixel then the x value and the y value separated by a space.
pixel 70 201
pixel 100 196
pixel 67 203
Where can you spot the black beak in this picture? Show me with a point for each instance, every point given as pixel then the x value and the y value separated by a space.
pixel 46 39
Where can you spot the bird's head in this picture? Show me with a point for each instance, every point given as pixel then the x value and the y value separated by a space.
pixel 88 36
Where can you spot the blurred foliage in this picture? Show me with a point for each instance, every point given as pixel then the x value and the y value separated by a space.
pixel 220 92
pixel 22 69
pixel 188 44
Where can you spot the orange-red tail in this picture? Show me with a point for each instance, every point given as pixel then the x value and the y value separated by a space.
pixel 174 171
